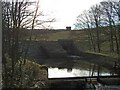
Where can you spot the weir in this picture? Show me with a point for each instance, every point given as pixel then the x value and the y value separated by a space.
pixel 85 77
pixel 107 79
pixel 84 83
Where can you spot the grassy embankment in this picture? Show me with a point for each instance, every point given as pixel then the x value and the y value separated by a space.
pixel 80 38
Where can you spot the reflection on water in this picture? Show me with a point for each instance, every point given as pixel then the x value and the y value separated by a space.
pixel 57 73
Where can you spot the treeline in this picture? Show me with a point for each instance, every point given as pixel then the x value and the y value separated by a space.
pixel 102 24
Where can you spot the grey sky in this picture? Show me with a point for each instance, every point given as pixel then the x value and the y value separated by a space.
pixel 65 11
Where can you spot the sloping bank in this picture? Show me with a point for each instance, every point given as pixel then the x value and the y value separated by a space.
pixel 99 59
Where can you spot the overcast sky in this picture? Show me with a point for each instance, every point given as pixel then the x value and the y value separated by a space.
pixel 65 11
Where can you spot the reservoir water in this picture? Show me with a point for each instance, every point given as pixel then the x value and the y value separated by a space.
pixel 59 73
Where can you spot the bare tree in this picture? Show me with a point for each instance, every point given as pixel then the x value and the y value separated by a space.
pixel 104 18
pixel 116 8
pixel 108 12
pixel 95 11
pixel 17 16
pixel 85 21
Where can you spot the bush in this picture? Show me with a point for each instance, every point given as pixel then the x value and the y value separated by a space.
pixel 26 75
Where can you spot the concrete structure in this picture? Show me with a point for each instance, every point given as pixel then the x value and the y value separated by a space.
pixel 68 28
